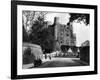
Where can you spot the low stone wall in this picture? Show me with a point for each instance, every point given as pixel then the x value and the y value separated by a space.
pixel 31 53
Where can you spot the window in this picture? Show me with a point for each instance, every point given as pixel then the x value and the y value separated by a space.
pixel 67 34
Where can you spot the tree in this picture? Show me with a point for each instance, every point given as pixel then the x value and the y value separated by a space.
pixel 30 19
pixel 80 17
pixel 38 33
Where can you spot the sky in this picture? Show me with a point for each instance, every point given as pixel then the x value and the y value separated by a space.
pixel 80 29
pixel 82 32
pixel 64 17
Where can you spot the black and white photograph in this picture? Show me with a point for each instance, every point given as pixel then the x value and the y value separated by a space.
pixel 53 39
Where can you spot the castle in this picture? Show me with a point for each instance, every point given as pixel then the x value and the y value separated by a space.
pixel 63 34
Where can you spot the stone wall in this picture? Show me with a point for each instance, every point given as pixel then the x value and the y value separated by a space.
pixel 84 54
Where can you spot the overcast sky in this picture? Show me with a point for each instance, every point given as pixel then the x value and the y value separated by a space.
pixel 82 32
pixel 64 17
pixel 80 29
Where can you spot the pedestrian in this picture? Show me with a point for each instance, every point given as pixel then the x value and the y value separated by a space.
pixel 49 57
pixel 45 56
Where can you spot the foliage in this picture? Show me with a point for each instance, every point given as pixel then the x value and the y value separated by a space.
pixel 39 34
pixel 80 17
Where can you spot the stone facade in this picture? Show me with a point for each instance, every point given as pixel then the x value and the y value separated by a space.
pixel 64 34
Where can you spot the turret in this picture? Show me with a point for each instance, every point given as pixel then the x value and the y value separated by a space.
pixel 56 20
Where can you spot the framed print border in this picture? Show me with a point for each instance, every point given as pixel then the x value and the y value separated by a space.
pixel 14 41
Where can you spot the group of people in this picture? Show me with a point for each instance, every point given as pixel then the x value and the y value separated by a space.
pixel 51 55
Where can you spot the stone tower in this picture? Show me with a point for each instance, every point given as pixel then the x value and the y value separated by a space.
pixel 63 35
pixel 56 33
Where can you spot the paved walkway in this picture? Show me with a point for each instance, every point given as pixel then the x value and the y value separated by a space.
pixel 62 62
